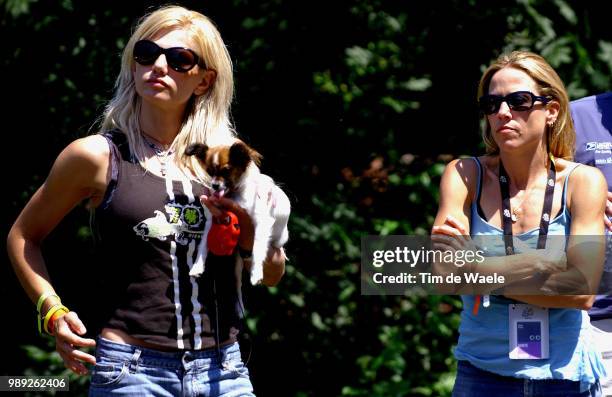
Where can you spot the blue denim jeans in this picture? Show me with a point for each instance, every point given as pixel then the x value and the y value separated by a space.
pixel 474 382
pixel 127 370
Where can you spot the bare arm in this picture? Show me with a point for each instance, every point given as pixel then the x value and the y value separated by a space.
pixel 274 266
pixel 456 191
pixel 514 268
pixel 78 173
pixel 588 203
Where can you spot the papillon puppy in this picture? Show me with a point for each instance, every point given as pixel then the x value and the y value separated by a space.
pixel 235 174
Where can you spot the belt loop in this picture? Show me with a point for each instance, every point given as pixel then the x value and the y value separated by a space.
pixel 188 358
pixel 133 367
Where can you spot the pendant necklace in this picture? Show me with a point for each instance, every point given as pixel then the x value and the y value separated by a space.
pixel 513 214
pixel 161 154
pixel 518 210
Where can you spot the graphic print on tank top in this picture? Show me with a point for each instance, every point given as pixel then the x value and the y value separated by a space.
pixel 184 222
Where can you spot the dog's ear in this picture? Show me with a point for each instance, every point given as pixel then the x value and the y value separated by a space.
pixel 255 156
pixel 240 155
pixel 197 149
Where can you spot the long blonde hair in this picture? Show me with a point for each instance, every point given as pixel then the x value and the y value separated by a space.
pixel 207 117
pixel 560 137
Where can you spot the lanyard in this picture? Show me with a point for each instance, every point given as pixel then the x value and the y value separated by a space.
pixel 504 186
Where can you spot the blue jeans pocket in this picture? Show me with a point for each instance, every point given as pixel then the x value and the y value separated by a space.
pixel 108 373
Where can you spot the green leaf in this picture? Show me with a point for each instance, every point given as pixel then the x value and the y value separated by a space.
pixel 417 84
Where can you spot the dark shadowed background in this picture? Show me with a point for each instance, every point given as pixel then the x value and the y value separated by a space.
pixel 356 107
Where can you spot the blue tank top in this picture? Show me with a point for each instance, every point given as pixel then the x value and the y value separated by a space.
pixel 484 337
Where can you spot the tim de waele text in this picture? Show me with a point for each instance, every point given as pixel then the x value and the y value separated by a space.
pixel 428 278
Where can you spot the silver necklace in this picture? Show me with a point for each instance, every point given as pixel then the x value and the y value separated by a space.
pixel 518 211
pixel 161 154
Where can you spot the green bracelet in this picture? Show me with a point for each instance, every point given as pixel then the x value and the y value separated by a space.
pixel 44 297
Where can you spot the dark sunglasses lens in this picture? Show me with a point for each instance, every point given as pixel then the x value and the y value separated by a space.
pixel 520 101
pixel 181 59
pixel 489 104
pixel 146 52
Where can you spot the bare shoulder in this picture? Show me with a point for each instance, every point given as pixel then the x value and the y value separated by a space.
pixel 585 175
pixel 457 188
pixel 460 175
pixel 585 183
pixel 83 164
pixel 458 185
pixel 464 169
pixel 92 149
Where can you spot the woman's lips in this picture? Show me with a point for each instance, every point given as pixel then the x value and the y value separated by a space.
pixel 157 83
pixel 505 130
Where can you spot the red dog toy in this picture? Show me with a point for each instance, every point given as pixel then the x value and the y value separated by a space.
pixel 223 235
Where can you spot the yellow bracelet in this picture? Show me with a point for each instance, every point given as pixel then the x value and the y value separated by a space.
pixel 56 316
pixel 41 318
pixel 50 313
pixel 44 297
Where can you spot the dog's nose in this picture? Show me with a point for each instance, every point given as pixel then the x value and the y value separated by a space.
pixel 216 186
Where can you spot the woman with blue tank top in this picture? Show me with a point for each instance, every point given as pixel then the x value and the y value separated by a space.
pixel 515 198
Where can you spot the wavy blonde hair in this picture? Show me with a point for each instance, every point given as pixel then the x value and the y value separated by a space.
pixel 561 137
pixel 207 117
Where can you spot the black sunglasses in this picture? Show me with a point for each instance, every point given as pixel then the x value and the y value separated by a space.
pixel 180 59
pixel 519 100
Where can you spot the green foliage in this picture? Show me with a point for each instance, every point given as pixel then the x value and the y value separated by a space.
pixel 554 32
pixel 47 362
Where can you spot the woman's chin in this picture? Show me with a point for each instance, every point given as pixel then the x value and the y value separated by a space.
pixel 162 100
pixel 508 145
pixel 155 94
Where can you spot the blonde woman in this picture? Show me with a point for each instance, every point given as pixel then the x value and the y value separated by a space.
pixel 525 186
pixel 161 331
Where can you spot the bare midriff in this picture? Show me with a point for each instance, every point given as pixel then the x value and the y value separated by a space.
pixel 119 336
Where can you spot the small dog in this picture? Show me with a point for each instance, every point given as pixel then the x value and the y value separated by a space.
pixel 235 173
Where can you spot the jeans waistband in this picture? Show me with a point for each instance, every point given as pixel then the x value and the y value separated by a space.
pixel 175 359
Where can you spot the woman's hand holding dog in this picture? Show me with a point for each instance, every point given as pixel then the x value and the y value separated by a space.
pixel 274 266
pixel 218 205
